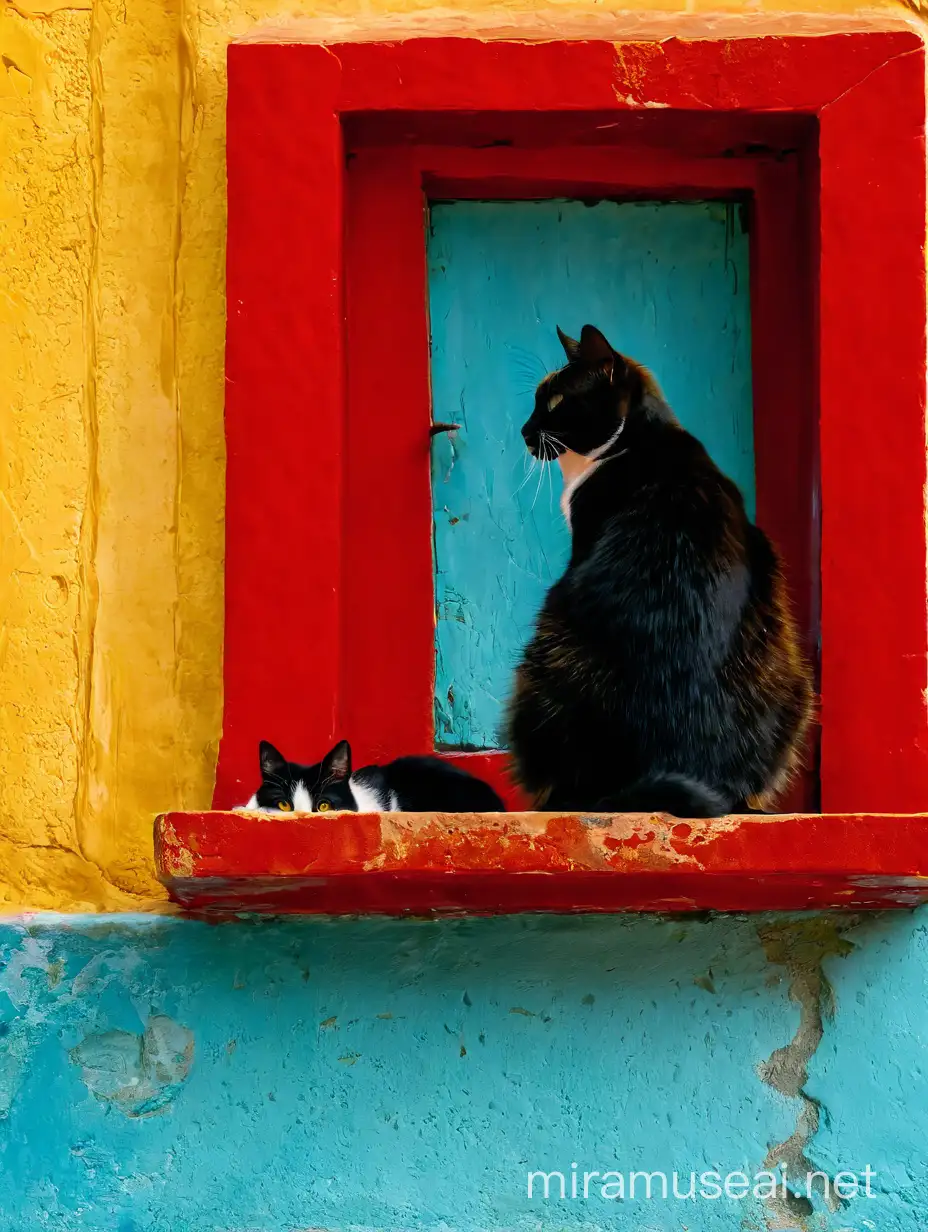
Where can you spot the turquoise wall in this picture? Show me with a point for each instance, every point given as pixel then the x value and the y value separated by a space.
pixel 164 1074
pixel 668 284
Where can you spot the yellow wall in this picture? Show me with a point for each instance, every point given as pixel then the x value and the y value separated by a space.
pixel 112 222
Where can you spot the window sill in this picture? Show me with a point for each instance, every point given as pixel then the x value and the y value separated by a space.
pixel 498 864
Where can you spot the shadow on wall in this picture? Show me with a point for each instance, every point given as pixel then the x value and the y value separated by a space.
pixel 276 1075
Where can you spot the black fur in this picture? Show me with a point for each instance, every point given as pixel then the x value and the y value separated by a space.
pixel 664 673
pixel 409 784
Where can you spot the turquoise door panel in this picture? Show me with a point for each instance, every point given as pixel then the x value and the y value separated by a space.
pixel 668 283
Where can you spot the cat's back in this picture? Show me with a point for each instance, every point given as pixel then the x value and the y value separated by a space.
pixel 426 784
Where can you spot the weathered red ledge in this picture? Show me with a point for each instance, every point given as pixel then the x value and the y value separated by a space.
pixel 487 864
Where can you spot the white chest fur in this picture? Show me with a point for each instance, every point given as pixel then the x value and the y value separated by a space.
pixel 576 467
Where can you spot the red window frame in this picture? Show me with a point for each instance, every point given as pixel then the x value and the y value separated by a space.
pixel 332 152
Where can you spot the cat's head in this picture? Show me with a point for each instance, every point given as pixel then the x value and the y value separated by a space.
pixel 287 787
pixel 582 407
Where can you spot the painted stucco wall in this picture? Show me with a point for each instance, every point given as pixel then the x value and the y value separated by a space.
pixel 175 1076
pixel 112 221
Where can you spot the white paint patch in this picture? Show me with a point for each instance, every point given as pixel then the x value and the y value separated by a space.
pixel 643 102
pixel 367 800
pixel 302 800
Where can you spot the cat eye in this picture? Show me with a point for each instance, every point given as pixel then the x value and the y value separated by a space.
pixel 285 806
pixel 323 806
pixel 555 401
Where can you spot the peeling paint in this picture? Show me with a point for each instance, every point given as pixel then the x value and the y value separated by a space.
pixel 139 1074
pixel 429 862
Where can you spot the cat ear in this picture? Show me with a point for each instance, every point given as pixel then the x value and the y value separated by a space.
pixel 594 349
pixel 571 345
pixel 336 765
pixel 273 764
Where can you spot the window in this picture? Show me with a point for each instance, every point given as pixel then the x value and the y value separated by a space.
pixel 810 152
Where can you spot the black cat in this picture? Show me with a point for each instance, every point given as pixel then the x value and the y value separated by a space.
pixel 665 672
pixel 408 785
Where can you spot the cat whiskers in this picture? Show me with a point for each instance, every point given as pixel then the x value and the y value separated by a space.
pixel 541 479
pixel 528 367
pixel 547 452
pixel 528 475
pixel 544 445
pixel 549 446
pixel 529 465
pixel 526 462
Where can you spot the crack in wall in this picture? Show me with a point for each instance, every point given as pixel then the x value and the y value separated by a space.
pixel 801 946
pixel 89 591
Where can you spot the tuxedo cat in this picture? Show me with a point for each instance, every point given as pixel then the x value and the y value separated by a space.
pixel 665 671
pixel 407 785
